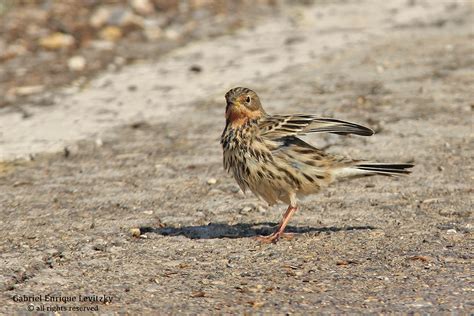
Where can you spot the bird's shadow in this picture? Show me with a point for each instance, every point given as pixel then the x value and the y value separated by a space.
pixel 242 230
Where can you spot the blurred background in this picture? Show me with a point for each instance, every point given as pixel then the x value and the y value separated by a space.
pixel 46 43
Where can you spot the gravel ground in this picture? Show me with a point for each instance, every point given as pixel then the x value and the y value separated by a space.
pixel 141 212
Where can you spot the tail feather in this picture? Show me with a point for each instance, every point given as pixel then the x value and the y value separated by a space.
pixel 386 168
pixel 370 169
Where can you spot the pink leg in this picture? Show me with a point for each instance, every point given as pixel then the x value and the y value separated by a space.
pixel 273 238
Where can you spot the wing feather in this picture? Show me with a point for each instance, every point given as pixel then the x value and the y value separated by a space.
pixel 300 124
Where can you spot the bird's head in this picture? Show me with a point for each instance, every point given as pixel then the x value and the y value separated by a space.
pixel 243 104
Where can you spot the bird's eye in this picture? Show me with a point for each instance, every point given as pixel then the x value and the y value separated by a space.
pixel 248 99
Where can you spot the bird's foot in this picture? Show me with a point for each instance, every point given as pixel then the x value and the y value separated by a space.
pixel 273 238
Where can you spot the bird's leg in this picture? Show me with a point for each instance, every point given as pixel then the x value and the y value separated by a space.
pixel 273 238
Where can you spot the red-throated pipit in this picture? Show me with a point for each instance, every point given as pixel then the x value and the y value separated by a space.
pixel 265 155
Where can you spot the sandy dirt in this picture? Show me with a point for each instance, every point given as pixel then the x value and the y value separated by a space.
pixel 139 209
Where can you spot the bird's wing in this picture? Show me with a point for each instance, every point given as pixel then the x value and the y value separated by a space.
pixel 277 126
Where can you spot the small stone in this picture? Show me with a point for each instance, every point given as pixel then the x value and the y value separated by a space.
pixel 153 27
pixel 52 252
pixel 27 90
pixel 345 262
pixel 429 201
pixel 76 63
pixel 100 245
pixel 245 210
pixel 420 258
pixel 119 61
pixel 135 232
pixel 148 212
pixel 99 17
pixel 124 18
pixel 12 51
pixel 215 192
pixel 261 209
pixel 57 40
pixel 172 34
pixel 111 33
pixel 212 181
pixel 195 68
pixel 198 294
pixel 361 100
pixel 99 142
pixel 102 45
pixel 257 304
pixel 144 7
pixel 234 189
pixel 197 4
pixel 451 231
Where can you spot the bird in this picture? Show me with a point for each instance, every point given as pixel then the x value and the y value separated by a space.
pixel 265 155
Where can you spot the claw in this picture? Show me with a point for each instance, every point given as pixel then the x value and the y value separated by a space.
pixel 273 238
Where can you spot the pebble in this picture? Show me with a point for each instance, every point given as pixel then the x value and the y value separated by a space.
pixel 215 192
pixel 245 210
pixel 100 245
pixel 76 63
pixel 451 231
pixel 102 45
pixel 57 40
pixel 119 61
pixel 429 201
pixel 172 34
pixel 144 7
pixel 195 68
pixel 361 100
pixel 27 90
pixel 99 17
pixel 212 181
pixel 111 33
pixel 153 33
pixel 261 209
pixel 52 252
pixel 135 232
pixel 230 188
pixel 12 51
pixel 123 17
